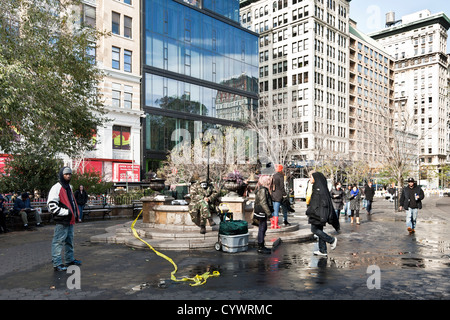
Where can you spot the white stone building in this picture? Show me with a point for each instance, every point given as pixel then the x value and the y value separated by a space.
pixel 418 43
pixel 118 145
pixel 304 73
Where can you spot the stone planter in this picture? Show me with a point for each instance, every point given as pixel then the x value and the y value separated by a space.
pixel 157 185
pixel 232 187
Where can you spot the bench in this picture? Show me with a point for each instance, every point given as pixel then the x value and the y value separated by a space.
pixel 96 207
pixel 14 221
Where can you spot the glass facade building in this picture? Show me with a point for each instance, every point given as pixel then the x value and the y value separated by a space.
pixel 200 69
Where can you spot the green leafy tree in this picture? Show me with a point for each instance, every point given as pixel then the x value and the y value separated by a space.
pixel 91 181
pixel 48 81
pixel 30 172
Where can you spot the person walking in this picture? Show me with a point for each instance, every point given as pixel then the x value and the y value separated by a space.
pixel 61 204
pixel 355 204
pixel 81 197
pixel 278 193
pixel 411 201
pixel 337 196
pixel 369 192
pixel 347 200
pixel 320 211
pixel 263 209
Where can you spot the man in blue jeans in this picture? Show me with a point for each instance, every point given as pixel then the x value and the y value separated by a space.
pixel 411 201
pixel 61 204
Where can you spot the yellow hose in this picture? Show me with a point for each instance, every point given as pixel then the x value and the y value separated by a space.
pixel 198 279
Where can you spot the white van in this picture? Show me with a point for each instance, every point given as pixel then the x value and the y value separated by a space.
pixel 300 185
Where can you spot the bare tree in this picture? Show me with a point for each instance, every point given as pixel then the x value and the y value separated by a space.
pixel 395 142
pixel 274 134
pixel 215 153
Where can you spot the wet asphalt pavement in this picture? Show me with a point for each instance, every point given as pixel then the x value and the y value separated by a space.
pixel 376 260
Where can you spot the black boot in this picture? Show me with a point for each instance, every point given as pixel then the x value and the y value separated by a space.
pixel 262 249
pixel 202 229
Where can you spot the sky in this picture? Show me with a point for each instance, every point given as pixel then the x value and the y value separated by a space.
pixel 371 15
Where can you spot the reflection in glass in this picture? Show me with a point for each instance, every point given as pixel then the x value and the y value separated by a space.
pixel 159 129
pixel 188 42
pixel 164 93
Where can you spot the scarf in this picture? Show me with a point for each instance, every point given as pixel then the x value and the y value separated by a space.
pixel 66 185
pixel 354 193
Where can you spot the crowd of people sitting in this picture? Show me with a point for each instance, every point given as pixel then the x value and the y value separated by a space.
pixel 19 205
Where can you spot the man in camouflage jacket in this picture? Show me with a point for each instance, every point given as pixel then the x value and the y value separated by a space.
pixel 203 204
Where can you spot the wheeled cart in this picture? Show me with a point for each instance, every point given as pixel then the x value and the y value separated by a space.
pixel 233 236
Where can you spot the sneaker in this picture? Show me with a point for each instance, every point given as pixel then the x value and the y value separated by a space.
pixel 410 230
pixel 61 267
pixel 333 245
pixel 75 262
pixel 318 253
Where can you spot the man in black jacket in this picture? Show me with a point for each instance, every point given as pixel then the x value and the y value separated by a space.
pixel 411 201
pixel 369 192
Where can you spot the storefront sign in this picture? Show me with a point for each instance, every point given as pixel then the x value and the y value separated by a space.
pixel 126 172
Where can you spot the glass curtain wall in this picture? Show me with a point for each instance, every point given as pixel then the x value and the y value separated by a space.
pixel 196 63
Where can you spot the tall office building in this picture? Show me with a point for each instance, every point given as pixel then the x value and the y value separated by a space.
pixel 418 43
pixel 371 102
pixel 304 73
pixel 200 70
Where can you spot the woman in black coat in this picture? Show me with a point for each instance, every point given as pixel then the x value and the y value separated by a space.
pixel 321 211
pixel 337 196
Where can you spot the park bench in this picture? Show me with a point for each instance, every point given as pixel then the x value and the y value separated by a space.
pixel 14 221
pixel 96 207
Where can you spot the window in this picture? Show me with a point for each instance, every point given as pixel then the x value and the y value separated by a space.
pixel 187 30
pixel 127 2
pixel 128 97
pixel 88 15
pixel 115 23
pixel 127 60
pixel 91 53
pixel 115 58
pixel 127 27
pixel 121 138
pixel 115 95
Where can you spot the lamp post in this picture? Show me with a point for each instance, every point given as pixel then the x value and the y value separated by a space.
pixel 207 168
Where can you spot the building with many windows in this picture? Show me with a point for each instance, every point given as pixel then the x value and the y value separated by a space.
pixel 418 45
pixel 371 101
pixel 117 156
pixel 200 70
pixel 304 73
